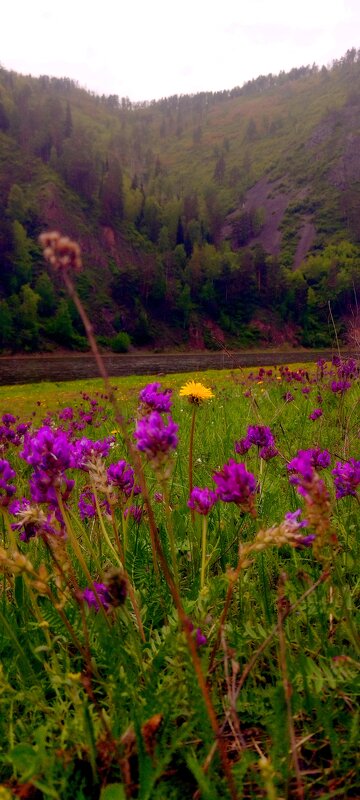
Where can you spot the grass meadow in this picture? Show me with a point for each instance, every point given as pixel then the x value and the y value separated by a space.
pixel 157 650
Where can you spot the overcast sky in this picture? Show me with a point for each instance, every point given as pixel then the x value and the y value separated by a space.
pixel 148 49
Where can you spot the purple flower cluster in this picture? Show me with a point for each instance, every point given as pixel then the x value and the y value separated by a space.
pixel 236 485
pixel 346 477
pixel 154 399
pixel 49 451
pixel 303 468
pixel 87 504
pixel 315 414
pixel 85 451
pixel 7 489
pixel 261 436
pixel 122 476
pixel 155 437
pixel 340 386
pixel 12 436
pixel 202 500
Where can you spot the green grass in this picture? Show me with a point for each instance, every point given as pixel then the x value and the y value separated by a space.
pixel 90 709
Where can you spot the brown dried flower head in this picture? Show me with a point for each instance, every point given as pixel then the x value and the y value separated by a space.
pixel 60 251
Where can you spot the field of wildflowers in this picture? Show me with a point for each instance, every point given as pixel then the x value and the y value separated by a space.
pixel 179 589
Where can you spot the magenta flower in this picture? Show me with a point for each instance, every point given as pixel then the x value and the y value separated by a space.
pixel 260 435
pixel 242 446
pixel 154 436
pixel 316 414
pixel 45 487
pixel 48 449
pixel 155 399
pixel 85 451
pixel 102 596
pixel 122 475
pixel 346 478
pixel 7 489
pixel 8 419
pixel 200 639
pixel 236 485
pixel 87 504
pixel 202 500
pixel 66 413
pixel 320 458
pixel 136 512
pixel 340 386
pixel 288 397
pixel 266 453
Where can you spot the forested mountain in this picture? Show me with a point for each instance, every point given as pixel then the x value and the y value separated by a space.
pixel 228 216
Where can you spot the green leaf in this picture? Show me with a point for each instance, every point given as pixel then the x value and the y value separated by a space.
pixel 113 791
pixel 24 759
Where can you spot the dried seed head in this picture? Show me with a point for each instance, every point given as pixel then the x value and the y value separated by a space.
pixel 60 251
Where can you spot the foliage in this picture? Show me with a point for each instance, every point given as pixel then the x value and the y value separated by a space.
pixel 172 200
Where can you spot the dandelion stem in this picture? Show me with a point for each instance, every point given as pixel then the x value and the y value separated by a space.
pixel 191 458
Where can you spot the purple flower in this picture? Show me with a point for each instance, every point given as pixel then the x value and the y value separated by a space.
pixel 346 477
pixel 306 390
pixel 66 413
pixel 293 522
pixel 47 449
pixel 288 397
pixel 85 451
pixel 242 446
pixel 202 500
pixel 87 504
pixel 7 490
pixel 45 487
pixel 302 464
pixel 155 399
pixel 154 436
pixel 316 414
pixel 303 467
pixel 8 419
pixel 346 367
pixel 200 639
pixel 102 596
pixel 122 475
pixel 340 386
pixel 266 453
pixel 260 435
pixel 320 458
pixel 135 512
pixel 236 485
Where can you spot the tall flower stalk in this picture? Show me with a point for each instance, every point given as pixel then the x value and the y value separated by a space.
pixel 196 394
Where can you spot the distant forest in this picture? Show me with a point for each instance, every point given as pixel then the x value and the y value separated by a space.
pixel 227 217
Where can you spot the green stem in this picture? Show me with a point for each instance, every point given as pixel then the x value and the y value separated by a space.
pixel 191 458
pixel 203 551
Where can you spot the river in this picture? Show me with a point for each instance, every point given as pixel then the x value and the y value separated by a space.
pixel 73 366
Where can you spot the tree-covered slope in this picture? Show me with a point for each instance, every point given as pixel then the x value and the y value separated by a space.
pixel 220 216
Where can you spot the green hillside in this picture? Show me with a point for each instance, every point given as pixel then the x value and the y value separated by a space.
pixel 220 217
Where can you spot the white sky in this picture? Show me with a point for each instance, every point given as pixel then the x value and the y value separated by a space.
pixel 148 49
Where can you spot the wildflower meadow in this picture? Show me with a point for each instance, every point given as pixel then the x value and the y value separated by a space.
pixel 179 589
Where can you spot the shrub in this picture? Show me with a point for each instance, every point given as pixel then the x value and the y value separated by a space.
pixel 121 342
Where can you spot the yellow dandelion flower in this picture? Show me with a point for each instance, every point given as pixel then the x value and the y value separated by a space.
pixel 195 392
